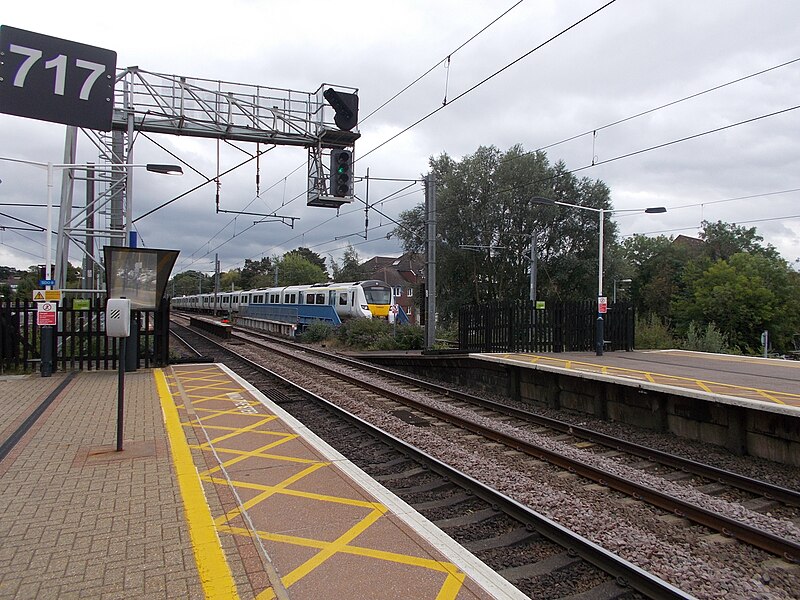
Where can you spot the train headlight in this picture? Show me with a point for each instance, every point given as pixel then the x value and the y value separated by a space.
pixel 365 306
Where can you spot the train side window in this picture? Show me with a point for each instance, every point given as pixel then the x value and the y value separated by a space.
pixel 274 298
pixel 293 299
pixel 320 298
pixel 343 299
pixel 310 298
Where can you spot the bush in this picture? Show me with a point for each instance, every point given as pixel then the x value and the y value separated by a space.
pixel 377 334
pixel 709 339
pixel 318 331
pixel 653 334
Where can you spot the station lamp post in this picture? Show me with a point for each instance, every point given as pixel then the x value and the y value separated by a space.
pixel 601 212
pixel 51 168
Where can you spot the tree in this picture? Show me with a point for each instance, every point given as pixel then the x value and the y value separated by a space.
pixel 744 296
pixel 293 269
pixel 230 280
pixel 253 269
pixel 723 240
pixel 350 269
pixel 188 283
pixel 484 201
pixel 310 256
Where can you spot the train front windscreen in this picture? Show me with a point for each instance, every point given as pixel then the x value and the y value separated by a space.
pixel 377 294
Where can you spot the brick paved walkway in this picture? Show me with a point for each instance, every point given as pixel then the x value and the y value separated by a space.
pixel 78 520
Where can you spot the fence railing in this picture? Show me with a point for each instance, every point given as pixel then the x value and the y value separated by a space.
pixel 560 327
pixel 80 339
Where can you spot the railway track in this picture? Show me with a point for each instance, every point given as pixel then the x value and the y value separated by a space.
pixel 702 478
pixel 542 558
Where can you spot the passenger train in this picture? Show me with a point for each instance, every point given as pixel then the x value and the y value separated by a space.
pixel 366 299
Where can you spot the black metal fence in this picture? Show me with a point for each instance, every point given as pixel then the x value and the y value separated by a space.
pixel 560 327
pixel 80 339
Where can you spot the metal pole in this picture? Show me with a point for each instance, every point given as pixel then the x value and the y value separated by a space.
pixel 88 262
pixel 430 268
pixel 599 332
pixel 121 391
pixel 534 239
pixel 46 365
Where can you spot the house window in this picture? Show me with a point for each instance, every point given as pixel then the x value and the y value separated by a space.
pixel 397 292
pixel 410 292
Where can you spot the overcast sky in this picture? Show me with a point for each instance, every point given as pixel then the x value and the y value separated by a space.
pixel 630 57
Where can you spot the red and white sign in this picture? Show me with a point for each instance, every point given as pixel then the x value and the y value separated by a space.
pixel 46 313
pixel 602 304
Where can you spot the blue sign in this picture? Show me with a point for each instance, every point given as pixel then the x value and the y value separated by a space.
pixel 47 282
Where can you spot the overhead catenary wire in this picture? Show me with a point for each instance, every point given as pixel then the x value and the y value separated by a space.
pixel 490 77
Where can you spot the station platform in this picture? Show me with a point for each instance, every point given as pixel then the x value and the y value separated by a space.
pixel 774 382
pixel 217 493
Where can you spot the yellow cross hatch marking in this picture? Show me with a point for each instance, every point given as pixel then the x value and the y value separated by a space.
pixel 664 379
pixel 298 493
pixel 453 577
pixel 264 495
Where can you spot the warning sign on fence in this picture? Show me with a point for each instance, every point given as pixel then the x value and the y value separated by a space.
pixel 46 314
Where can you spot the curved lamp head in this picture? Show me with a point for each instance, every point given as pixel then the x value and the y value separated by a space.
pixel 540 200
pixel 165 169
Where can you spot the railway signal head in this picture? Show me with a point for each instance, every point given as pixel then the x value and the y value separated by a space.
pixel 341 173
pixel 346 107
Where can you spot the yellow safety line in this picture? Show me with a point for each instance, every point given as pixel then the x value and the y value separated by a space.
pixel 256 454
pixel 454 577
pixel 638 374
pixel 215 574
pixel 232 514
pixel 247 455
pixel 768 396
pixel 298 493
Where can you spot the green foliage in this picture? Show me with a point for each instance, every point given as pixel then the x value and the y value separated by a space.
pixel 293 269
pixel 189 283
pixel 378 334
pixel 350 269
pixel 652 334
pixel 363 333
pixel 310 256
pixel 743 296
pixel 318 331
pixel 484 201
pixel 253 269
pixel 410 337
pixel 706 339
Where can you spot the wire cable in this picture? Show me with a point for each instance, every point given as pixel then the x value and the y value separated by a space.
pixel 489 78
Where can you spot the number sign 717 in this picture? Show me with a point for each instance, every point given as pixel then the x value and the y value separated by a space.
pixel 57 80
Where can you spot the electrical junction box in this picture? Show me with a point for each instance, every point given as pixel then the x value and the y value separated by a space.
pixel 118 317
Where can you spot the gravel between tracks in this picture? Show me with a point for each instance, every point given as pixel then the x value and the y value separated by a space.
pixel 707 566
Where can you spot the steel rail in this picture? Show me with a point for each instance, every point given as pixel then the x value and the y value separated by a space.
pixel 746 533
pixel 626 573
pixel 748 484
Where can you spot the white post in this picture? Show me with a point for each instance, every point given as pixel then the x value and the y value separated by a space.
pixel 48 244
pixel 600 258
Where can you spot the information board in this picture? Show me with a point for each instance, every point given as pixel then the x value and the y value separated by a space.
pixel 51 79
